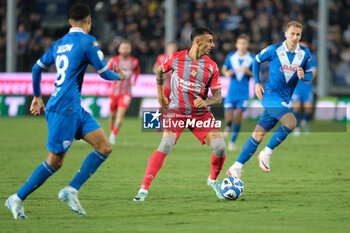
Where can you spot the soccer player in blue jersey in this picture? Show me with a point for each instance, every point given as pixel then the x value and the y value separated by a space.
pixel 289 62
pixel 237 66
pixel 65 117
pixel 303 99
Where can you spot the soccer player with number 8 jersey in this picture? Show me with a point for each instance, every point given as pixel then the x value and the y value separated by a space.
pixel 65 117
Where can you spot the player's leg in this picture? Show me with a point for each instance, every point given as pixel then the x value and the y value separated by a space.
pixel 307 116
pixel 38 177
pixel 228 115
pixel 235 130
pixel 123 105
pixel 61 130
pixel 288 123
pixel 113 107
pixel 92 133
pixel 248 149
pixel 215 140
pixel 265 124
pixel 297 111
pixel 155 163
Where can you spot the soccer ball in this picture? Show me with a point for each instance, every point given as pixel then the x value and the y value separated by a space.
pixel 231 188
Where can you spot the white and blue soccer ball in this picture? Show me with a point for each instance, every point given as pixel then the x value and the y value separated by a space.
pixel 231 188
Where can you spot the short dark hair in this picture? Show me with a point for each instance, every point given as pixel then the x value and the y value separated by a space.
pixel 198 31
pixel 243 36
pixel 79 11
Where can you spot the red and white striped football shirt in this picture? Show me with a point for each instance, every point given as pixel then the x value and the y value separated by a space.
pixel 130 66
pixel 190 79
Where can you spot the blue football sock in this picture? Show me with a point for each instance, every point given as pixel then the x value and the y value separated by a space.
pixel 297 116
pixel 248 150
pixel 229 124
pixel 307 116
pixel 235 132
pixel 88 168
pixel 280 134
pixel 38 177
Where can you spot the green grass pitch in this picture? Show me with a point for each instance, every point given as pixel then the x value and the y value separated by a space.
pixel 307 190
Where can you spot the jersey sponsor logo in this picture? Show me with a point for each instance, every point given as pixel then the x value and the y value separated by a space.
pixel 64 48
pixel 190 85
pixel 95 44
pixel 289 68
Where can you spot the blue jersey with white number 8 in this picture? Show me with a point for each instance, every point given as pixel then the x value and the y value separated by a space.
pixel 71 55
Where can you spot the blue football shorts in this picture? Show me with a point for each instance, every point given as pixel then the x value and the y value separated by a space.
pixel 231 103
pixel 63 128
pixel 274 109
pixel 303 96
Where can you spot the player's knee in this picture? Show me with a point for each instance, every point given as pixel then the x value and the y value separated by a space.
pixel 105 149
pixel 291 124
pixel 166 145
pixel 218 147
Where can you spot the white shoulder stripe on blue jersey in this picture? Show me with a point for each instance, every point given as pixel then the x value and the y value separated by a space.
pixel 102 70
pixel 257 58
pixel 41 64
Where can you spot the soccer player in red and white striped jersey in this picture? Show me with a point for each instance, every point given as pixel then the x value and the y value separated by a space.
pixel 193 73
pixel 120 96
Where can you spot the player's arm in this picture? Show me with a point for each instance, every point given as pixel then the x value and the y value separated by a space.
pixel 214 100
pixel 309 74
pixel 227 69
pixel 137 71
pixel 264 55
pixel 163 101
pixel 227 72
pixel 156 65
pixel 42 64
pixel 247 71
pixel 95 57
pixel 37 103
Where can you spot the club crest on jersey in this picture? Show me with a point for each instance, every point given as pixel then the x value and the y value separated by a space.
pixel 66 144
pixel 194 73
pixel 289 68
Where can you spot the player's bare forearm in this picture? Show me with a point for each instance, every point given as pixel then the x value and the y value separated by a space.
pixel 216 99
pixel 163 101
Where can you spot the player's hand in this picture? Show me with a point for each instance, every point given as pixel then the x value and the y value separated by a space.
pixel 245 70
pixel 228 73
pixel 121 74
pixel 163 101
pixel 300 73
pixel 200 103
pixel 259 91
pixel 37 105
